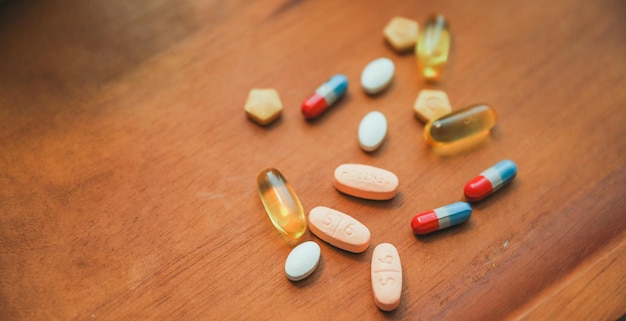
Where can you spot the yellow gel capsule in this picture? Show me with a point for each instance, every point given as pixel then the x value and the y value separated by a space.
pixel 433 46
pixel 464 123
pixel 281 203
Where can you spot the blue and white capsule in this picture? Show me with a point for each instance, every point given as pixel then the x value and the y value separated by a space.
pixel 440 218
pixel 326 95
pixel 490 180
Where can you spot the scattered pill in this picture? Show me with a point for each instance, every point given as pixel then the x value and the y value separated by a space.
pixel 325 96
pixel 263 105
pixel 281 203
pixel 386 276
pixel 372 131
pixel 401 33
pixel 377 75
pixel 302 261
pixel 440 218
pixel 490 180
pixel 339 229
pixel 433 46
pixel 366 181
pixel 460 124
pixel 431 104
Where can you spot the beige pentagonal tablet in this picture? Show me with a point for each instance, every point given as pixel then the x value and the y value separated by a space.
pixel 431 104
pixel 401 33
pixel 339 229
pixel 263 105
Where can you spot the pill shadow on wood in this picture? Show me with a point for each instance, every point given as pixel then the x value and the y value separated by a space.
pixel 462 147
pixel 362 257
pixel 328 113
pixel 380 151
pixel 395 202
pixel 383 93
pixel 314 277
pixel 267 127
pixel 499 196
pixel 448 232
pixel 406 52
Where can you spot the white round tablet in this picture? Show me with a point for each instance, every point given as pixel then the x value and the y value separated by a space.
pixel 302 261
pixel 377 75
pixel 372 131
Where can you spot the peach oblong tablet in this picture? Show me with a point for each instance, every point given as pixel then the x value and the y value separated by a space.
pixel 366 181
pixel 386 276
pixel 339 229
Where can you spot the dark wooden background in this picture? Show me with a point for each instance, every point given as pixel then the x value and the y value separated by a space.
pixel 128 166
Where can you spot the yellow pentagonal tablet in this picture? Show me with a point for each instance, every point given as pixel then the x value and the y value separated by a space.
pixel 431 104
pixel 401 33
pixel 263 105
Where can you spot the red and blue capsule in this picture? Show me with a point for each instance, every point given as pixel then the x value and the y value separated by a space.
pixel 440 218
pixel 326 95
pixel 490 180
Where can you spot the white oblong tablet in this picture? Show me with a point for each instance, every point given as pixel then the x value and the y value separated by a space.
pixel 302 261
pixel 377 75
pixel 372 131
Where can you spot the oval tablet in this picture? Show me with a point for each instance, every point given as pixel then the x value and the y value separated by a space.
pixel 377 75
pixel 339 229
pixel 366 181
pixel 302 261
pixel 372 131
pixel 386 277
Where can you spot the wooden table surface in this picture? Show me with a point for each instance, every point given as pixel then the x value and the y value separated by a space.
pixel 128 167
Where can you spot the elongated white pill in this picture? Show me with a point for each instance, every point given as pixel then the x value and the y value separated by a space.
pixel 302 261
pixel 372 131
pixel 377 75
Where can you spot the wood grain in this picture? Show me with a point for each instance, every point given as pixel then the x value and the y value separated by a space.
pixel 128 166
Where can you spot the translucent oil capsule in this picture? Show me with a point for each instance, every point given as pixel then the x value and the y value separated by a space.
pixel 433 46
pixel 464 123
pixel 281 203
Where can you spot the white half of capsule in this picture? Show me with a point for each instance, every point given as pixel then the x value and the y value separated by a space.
pixel 372 131
pixel 327 91
pixel 443 216
pixel 494 178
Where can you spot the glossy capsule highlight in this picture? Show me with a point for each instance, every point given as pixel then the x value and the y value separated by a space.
pixel 326 95
pixel 281 203
pixel 433 47
pixel 440 218
pixel 490 180
pixel 461 124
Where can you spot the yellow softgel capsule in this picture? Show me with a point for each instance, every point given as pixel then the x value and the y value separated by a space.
pixel 433 46
pixel 281 203
pixel 464 123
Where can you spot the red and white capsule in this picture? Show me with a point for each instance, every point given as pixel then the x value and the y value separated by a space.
pixel 440 218
pixel 325 96
pixel 490 180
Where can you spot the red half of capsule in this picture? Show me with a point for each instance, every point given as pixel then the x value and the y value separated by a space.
pixel 425 223
pixel 314 106
pixel 477 189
